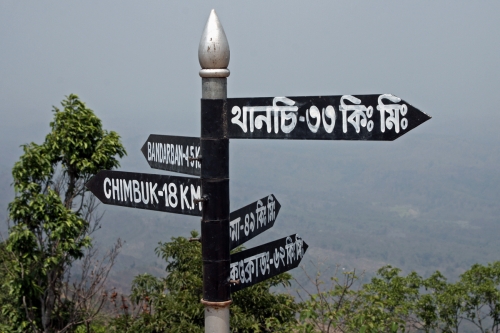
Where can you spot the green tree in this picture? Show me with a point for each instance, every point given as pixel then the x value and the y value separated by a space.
pixel 7 301
pixel 481 302
pixel 331 307
pixel 391 302
pixel 472 302
pixel 172 304
pixel 52 217
pixel 440 305
pixel 383 305
pixel 388 302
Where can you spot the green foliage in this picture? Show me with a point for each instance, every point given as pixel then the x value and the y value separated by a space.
pixel 391 302
pixel 93 328
pixel 255 309
pixel 439 308
pixel 50 214
pixel 7 301
pixel 379 306
pixel 78 141
pixel 391 298
pixel 482 296
pixel 172 304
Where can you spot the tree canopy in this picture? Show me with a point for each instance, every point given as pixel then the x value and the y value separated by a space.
pixel 51 216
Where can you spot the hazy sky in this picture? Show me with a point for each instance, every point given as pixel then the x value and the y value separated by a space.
pixel 135 63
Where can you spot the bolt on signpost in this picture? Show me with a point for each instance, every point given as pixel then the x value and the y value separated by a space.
pixel 381 117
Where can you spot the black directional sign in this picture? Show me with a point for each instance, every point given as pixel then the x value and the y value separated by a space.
pixel 142 190
pixel 172 153
pixel 361 117
pixel 262 262
pixel 252 220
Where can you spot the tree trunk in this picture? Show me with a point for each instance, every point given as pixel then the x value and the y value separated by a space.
pixel 70 192
pixel 47 304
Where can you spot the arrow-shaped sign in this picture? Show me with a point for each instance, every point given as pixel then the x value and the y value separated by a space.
pixel 173 153
pixel 361 117
pixel 265 261
pixel 147 191
pixel 252 220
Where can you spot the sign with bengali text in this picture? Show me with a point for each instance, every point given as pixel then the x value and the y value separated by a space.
pixel 382 117
pixel 252 220
pixel 265 261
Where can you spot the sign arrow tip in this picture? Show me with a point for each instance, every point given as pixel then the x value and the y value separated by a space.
pixel 278 206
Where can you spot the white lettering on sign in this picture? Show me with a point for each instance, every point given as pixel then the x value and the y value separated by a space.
pixel 288 114
pixel 127 190
pixel 247 268
pixel 357 118
pixel 394 110
pixel 314 114
pixel 195 194
pixel 184 199
pixel 107 193
pixel 260 264
pixel 330 113
pixel 137 193
pixel 149 193
pixel 264 214
pixel 284 118
pixel 234 229
pixel 173 154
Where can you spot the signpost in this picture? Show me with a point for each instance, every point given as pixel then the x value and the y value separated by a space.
pixel 170 194
pixel 252 220
pixel 213 55
pixel 173 153
pixel 265 261
pixel 382 117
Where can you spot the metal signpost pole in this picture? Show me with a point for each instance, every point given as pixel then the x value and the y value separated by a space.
pixel 213 54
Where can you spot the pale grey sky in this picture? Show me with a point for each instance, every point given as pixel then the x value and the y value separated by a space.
pixel 135 63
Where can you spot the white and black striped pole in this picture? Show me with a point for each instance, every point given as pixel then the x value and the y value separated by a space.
pixel 213 54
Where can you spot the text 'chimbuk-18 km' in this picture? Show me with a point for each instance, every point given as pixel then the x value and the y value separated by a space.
pixel 154 192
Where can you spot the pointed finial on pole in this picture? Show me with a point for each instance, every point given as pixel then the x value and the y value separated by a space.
pixel 213 51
